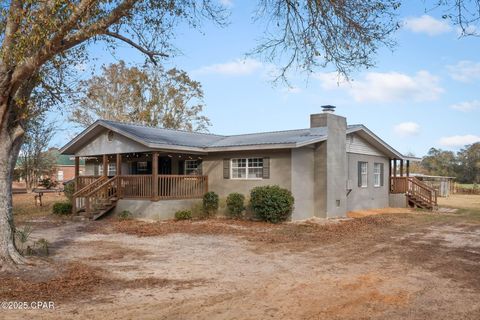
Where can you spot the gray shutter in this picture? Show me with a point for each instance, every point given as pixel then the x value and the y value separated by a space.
pixel 381 174
pixel 266 168
pixel 359 167
pixel 200 167
pixel 226 168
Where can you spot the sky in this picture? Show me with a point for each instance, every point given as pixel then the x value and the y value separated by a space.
pixel 424 93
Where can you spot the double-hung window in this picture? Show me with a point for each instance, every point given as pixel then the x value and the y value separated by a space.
pixel 191 167
pixel 142 166
pixel 112 169
pixel 377 174
pixel 247 168
pixel 363 174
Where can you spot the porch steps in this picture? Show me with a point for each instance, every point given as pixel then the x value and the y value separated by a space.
pixel 419 203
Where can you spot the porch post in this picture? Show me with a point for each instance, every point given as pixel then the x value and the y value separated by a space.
pixel 118 168
pixel 401 168
pixel 105 165
pixel 75 184
pixel 390 174
pixel 394 167
pixel 154 175
pixel 408 168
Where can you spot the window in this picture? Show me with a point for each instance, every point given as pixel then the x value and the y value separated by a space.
pixel 142 166
pixel 112 169
pixel 247 168
pixel 363 174
pixel 60 175
pixel 191 167
pixel 377 174
pixel 100 169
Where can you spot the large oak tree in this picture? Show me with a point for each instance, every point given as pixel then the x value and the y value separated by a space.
pixel 42 39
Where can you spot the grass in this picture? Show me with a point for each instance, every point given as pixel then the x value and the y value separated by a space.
pixel 467 185
pixel 24 207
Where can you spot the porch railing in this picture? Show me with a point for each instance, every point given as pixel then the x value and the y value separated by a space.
pixel 168 187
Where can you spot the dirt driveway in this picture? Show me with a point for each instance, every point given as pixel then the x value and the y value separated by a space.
pixel 396 266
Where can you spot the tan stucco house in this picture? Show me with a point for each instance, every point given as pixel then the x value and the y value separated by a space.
pixel 330 168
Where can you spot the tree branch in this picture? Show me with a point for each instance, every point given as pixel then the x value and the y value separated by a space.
pixel 150 54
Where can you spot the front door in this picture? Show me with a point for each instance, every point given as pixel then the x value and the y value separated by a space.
pixel 164 165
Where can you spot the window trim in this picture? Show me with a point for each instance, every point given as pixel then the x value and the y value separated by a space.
pixel 362 175
pixel 185 171
pixel 246 169
pixel 379 174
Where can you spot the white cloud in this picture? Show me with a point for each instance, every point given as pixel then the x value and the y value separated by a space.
pixel 238 67
pixel 427 24
pixel 465 71
pixel 386 86
pixel 226 3
pixel 459 141
pixel 466 106
pixel 405 129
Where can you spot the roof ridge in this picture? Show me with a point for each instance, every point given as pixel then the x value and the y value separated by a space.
pixel 158 128
pixel 267 132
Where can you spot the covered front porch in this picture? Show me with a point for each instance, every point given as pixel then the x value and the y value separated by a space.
pixel 151 175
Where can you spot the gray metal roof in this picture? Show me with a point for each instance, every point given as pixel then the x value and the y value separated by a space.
pixel 159 138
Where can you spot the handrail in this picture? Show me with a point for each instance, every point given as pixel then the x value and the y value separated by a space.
pixel 101 186
pixel 89 186
pixel 414 187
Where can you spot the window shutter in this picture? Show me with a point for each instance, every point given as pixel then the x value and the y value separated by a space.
pixel 359 166
pixel 226 168
pixel 381 175
pixel 200 167
pixel 266 168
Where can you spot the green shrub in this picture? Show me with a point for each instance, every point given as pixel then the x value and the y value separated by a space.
pixel 183 215
pixel 210 203
pixel 125 215
pixel 235 204
pixel 48 183
pixel 271 203
pixel 62 208
pixel 69 190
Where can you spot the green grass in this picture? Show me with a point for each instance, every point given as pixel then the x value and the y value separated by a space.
pixel 467 185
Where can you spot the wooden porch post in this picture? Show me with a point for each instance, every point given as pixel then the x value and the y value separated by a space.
pixel 154 175
pixel 408 168
pixel 401 168
pixel 118 168
pixel 75 184
pixel 394 167
pixel 105 165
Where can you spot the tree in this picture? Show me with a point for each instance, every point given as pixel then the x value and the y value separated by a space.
pixel 469 162
pixel 34 158
pixel 42 40
pixel 463 13
pixel 150 96
pixel 440 162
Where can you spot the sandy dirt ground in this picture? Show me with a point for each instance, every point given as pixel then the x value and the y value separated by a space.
pixel 413 265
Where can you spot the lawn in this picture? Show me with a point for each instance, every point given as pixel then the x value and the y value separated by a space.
pixel 400 265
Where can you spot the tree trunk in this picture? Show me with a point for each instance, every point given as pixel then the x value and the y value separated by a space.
pixel 9 149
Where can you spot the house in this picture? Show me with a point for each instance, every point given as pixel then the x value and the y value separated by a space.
pixel 64 169
pixel 330 168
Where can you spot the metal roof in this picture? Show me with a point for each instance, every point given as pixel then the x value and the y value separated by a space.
pixel 205 142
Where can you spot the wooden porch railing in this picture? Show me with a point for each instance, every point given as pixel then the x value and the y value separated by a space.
pixel 84 185
pixel 135 186
pixel 415 188
pixel 84 181
pixel 98 197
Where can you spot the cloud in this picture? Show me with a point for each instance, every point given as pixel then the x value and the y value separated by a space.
pixel 405 129
pixel 465 71
pixel 459 141
pixel 427 24
pixel 386 86
pixel 466 106
pixel 226 3
pixel 237 67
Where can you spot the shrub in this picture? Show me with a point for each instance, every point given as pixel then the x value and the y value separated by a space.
pixel 235 204
pixel 210 203
pixel 183 215
pixel 271 203
pixel 48 183
pixel 69 190
pixel 125 215
pixel 62 208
